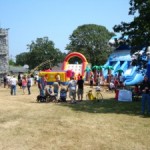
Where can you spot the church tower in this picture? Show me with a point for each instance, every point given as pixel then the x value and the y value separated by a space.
pixel 4 52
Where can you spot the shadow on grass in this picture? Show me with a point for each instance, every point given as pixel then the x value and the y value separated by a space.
pixel 107 106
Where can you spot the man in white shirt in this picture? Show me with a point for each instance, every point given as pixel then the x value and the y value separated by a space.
pixel 72 89
pixel 13 84
pixel 8 80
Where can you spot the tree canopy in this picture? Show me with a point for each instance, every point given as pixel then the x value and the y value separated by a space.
pixel 12 62
pixel 39 51
pixel 92 41
pixel 138 30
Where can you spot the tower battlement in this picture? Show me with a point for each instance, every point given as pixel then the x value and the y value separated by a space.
pixel 4 51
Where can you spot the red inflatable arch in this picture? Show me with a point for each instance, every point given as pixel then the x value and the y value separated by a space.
pixel 75 54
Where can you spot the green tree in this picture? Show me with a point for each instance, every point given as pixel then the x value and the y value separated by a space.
pixel 138 30
pixel 39 51
pixel 22 58
pixel 12 62
pixel 92 41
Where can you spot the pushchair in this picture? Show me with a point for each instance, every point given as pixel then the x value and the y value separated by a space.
pixel 47 97
pixel 63 95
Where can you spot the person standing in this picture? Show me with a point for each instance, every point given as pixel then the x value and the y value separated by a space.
pixel 20 80
pixel 5 80
pixel 24 84
pixel 13 84
pixel 72 89
pixel 41 85
pixel 91 80
pixel 145 89
pixel 29 84
pixel 98 80
pixel 121 81
pixel 80 91
pixel 36 78
pixel 9 81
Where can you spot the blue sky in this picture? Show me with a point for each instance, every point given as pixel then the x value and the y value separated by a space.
pixel 56 19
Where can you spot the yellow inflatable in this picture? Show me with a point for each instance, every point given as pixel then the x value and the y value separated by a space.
pixel 52 76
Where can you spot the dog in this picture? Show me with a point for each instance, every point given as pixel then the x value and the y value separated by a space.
pixel 41 98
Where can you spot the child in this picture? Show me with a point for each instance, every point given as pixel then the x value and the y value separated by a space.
pixel 90 95
pixel 111 86
pixel 56 88
pixel 49 90
pixel 98 88
pixel 63 94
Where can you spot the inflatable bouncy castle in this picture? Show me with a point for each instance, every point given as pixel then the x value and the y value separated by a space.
pixel 121 59
pixel 68 70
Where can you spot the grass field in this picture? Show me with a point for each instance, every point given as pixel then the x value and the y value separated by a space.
pixel 87 125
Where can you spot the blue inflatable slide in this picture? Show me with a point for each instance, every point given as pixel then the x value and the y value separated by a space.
pixel 121 59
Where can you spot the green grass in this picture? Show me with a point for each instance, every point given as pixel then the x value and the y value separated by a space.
pixel 107 106
pixel 87 125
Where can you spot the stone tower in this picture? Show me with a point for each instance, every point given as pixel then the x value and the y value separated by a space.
pixel 4 52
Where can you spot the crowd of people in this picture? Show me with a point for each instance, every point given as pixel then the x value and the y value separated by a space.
pixel 116 82
pixel 75 87
pixel 113 82
pixel 23 81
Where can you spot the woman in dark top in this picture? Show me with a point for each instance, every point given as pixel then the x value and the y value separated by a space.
pixel 145 89
pixel 80 84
